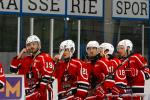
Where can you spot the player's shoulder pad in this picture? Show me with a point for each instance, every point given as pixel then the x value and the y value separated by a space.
pixel 141 59
pixel 86 62
pixel 45 55
pixel 137 56
pixel 116 60
pixel 77 61
pixel 106 60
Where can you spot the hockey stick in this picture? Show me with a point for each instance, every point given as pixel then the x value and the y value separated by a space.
pixel 93 90
pixel 112 72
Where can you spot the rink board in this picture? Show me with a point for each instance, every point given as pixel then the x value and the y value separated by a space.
pixel 14 88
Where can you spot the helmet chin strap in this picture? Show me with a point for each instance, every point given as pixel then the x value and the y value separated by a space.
pixel 103 54
pixel 29 52
pixel 71 54
pixel 36 52
pixel 61 53
pixel 128 51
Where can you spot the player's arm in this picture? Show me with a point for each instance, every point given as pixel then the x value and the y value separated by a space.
pixel 47 73
pixel 142 62
pixel 15 65
pixel 82 82
pixel 16 61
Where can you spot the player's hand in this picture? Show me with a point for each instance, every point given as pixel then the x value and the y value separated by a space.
pixel 56 57
pixel 23 51
pixel 100 93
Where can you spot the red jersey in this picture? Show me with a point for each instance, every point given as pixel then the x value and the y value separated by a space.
pixel 72 79
pixel 37 72
pixel 2 77
pixel 98 71
pixel 120 79
pixel 136 67
pixel 119 74
pixel 101 69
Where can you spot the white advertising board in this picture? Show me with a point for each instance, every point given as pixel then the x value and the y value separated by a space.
pixel 130 9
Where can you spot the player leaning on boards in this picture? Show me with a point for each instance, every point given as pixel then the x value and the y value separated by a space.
pixel 37 68
pixel 136 69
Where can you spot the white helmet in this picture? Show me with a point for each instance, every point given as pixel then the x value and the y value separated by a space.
pixel 92 44
pixel 107 46
pixel 67 44
pixel 126 43
pixel 33 38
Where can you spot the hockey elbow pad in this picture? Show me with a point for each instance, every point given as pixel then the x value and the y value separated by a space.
pixel 117 90
pixel 82 90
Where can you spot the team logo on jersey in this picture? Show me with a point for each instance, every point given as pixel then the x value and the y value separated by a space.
pixel 67 80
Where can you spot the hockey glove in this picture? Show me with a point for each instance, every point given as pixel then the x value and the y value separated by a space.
pixel 100 93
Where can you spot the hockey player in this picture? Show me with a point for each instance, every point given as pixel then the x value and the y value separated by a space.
pixel 136 68
pixel 37 68
pixel 98 67
pixel 71 74
pixel 116 71
pixel 2 77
